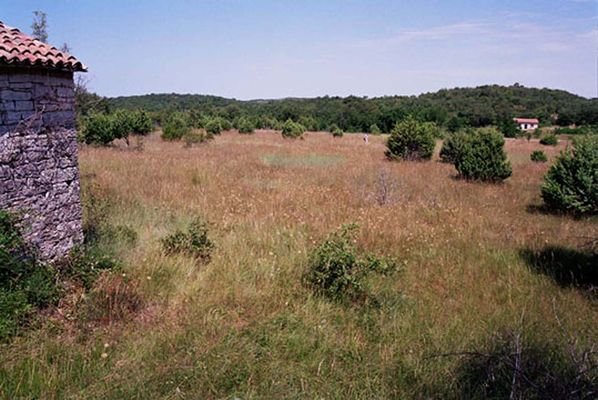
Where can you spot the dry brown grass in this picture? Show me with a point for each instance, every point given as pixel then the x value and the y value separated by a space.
pixel 245 325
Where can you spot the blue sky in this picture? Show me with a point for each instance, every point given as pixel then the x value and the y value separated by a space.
pixel 270 49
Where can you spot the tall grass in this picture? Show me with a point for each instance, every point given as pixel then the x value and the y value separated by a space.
pixel 244 325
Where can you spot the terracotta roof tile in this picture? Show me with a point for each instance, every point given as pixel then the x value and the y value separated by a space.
pixel 16 48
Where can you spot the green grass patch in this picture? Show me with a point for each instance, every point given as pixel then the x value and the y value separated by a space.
pixel 308 160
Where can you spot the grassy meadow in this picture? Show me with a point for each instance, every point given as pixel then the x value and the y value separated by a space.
pixel 245 326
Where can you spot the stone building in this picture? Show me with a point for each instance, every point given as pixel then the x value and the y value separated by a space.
pixel 39 173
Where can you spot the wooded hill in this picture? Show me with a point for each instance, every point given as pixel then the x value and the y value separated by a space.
pixel 451 108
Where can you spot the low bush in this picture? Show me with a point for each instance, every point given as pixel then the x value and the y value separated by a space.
pixel 337 271
pixel 571 183
pixel 509 128
pixel 176 127
pixel 549 140
pixel 411 139
pixel 194 241
pixel 245 126
pixel 196 136
pixel 25 284
pixel 482 158
pixel 292 129
pixel 336 131
pixel 538 156
pixel 453 145
pixel 213 126
pixel 375 130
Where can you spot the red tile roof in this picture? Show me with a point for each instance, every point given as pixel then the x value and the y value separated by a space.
pixel 526 120
pixel 16 48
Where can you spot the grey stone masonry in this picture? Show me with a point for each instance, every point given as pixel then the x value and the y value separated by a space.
pixel 39 174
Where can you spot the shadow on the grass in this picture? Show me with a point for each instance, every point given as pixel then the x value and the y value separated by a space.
pixel 510 366
pixel 565 266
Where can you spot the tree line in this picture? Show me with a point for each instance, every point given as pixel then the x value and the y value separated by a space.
pixel 451 109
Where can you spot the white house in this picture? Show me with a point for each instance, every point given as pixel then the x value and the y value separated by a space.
pixel 527 124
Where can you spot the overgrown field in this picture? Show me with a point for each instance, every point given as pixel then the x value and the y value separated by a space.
pixel 480 278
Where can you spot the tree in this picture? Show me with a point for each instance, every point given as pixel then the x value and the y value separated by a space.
pixel 39 26
pixel 571 184
pixel 411 139
pixel 482 157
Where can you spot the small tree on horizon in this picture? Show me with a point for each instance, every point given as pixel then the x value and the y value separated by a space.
pixel 39 27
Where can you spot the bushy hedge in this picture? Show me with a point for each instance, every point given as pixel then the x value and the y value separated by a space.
pixel 571 184
pixel 292 129
pixel 538 156
pixel 176 126
pixel 453 145
pixel 411 139
pixel 483 158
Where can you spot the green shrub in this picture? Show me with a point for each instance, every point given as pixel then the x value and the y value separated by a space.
pixel 411 139
pixel 213 126
pixel 176 127
pixel 453 145
pixel 483 158
pixel 196 136
pixel 538 156
pixel 336 131
pixel 337 271
pixel 292 129
pixel 193 242
pixel 97 129
pixel 549 140
pixel 24 284
pixel 509 128
pixel 141 123
pixel 571 184
pixel 245 126
pixel 375 130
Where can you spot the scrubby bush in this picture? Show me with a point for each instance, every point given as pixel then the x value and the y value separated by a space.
pixel 538 156
pixel 549 140
pixel 245 125
pixel 193 242
pixel 411 139
pixel 292 129
pixel 337 271
pixel 571 184
pixel 213 126
pixel 24 284
pixel 224 123
pixel 483 158
pixel 176 127
pixel 453 145
pixel 375 130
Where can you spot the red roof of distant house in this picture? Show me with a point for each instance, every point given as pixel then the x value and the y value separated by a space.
pixel 16 48
pixel 526 120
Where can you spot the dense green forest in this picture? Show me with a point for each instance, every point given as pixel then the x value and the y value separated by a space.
pixel 450 108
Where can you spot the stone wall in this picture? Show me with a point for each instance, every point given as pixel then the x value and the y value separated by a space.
pixel 39 175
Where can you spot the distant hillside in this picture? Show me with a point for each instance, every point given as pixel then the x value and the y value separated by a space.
pixel 478 106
